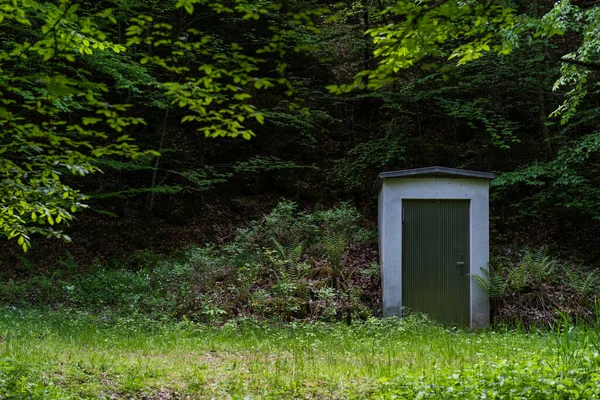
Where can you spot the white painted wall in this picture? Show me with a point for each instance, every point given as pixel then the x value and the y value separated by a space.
pixel 391 193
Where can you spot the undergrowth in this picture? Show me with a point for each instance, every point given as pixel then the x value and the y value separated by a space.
pixel 290 265
pixel 533 289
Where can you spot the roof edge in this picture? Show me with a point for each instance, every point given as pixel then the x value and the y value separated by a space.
pixel 436 170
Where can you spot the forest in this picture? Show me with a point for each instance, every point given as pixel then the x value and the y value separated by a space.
pixel 188 195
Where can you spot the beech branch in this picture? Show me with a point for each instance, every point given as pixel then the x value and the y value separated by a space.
pixel 590 65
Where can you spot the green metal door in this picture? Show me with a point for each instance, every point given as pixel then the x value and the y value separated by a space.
pixel 435 259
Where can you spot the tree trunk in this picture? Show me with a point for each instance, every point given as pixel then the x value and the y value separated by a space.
pixel 152 196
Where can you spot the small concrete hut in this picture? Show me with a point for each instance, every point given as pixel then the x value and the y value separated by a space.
pixel 433 236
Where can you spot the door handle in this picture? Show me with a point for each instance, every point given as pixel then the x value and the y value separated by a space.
pixel 460 263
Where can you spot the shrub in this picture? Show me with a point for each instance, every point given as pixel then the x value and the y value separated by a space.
pixel 528 288
pixel 289 265
pixel 289 227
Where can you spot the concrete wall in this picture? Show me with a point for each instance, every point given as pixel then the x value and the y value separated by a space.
pixel 391 193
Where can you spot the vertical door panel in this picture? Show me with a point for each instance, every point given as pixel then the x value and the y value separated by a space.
pixel 435 259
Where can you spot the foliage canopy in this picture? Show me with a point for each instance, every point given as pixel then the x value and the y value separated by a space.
pixel 59 116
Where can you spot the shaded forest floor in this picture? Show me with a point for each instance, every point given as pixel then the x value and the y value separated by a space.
pixel 118 234
pixel 271 260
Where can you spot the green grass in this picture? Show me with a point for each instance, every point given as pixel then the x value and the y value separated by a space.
pixel 55 355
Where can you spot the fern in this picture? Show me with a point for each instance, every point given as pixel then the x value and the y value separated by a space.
pixel 492 281
pixel 283 264
pixel 335 244
pixel 291 254
pixel 538 264
pixel 279 249
pixel 582 285
pixel 518 277
pixel 295 253
pixel 533 268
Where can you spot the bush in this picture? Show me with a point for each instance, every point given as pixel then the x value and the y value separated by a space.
pixel 289 265
pixel 289 227
pixel 530 288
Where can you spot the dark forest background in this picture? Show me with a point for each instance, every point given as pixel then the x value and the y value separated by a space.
pixel 319 149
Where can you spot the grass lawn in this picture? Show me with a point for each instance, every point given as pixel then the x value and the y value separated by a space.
pixel 55 355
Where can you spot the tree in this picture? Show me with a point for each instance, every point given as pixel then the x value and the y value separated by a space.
pixel 467 30
pixel 445 36
pixel 54 119
pixel 59 117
